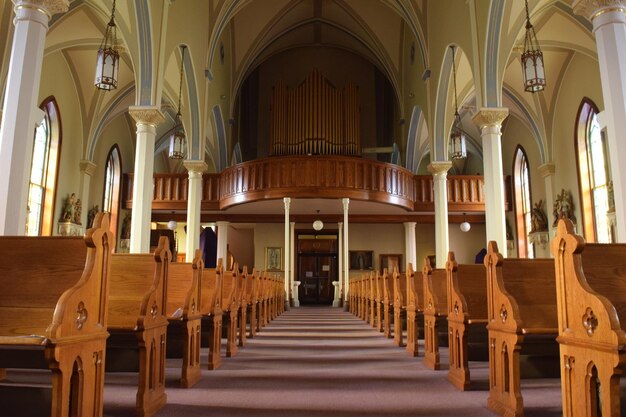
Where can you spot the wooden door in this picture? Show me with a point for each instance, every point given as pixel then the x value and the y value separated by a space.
pixel 316 273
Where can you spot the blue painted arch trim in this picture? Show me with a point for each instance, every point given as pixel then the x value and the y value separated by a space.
pixel 145 52
pixel 221 137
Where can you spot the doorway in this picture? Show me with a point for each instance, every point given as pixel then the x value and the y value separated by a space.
pixel 317 268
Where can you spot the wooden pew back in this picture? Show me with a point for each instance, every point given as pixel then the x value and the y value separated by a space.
pixel 467 296
pixel 184 288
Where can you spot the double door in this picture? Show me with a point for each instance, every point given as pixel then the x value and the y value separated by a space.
pixel 316 273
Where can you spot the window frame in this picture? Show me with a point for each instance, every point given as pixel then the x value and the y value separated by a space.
pixel 522 226
pixel 117 187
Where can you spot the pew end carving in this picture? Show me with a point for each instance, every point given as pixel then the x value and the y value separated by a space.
pixel 435 313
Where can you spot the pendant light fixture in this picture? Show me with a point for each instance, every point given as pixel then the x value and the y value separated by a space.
pixel 457 135
pixel 108 62
pixel 318 224
pixel 532 59
pixel 465 226
pixel 178 137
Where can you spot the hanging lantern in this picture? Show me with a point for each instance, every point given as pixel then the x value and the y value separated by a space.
pixel 108 61
pixel 178 138
pixel 457 135
pixel 532 60
pixel 465 226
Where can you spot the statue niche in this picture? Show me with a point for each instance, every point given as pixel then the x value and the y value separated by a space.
pixel 315 118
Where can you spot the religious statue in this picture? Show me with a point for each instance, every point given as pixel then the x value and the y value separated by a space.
pixel 539 220
pixel 509 231
pixel 125 233
pixel 563 207
pixel 91 215
pixel 78 212
pixel 67 213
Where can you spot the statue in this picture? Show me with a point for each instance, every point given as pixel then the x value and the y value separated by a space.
pixel 539 220
pixel 67 213
pixel 125 233
pixel 78 212
pixel 91 215
pixel 509 231
pixel 563 208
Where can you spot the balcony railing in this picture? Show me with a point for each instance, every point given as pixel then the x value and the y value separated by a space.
pixel 315 177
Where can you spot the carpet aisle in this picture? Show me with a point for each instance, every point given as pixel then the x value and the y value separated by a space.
pixel 312 362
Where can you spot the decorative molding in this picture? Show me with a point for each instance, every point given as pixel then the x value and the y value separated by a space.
pixel 591 9
pixel 490 116
pixel 150 115
pixel 546 169
pixel 50 7
pixel 87 167
pixel 195 166
pixel 439 167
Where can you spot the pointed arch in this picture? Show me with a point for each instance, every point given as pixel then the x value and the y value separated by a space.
pixel 523 203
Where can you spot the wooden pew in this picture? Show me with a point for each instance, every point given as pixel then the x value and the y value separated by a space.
pixel 522 319
pixel 53 310
pixel 435 312
pixel 387 285
pixel 247 288
pixel 399 306
pixel 372 297
pixel 380 298
pixel 467 319
pixel 211 310
pixel 414 309
pixel 184 314
pixel 137 320
pixel 591 299
pixel 254 303
pixel 230 303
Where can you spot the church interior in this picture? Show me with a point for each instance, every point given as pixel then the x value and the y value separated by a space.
pixel 307 191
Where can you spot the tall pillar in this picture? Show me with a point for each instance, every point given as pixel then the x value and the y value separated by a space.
pixel 292 254
pixel 490 122
pixel 222 242
pixel 439 169
pixel 346 256
pixel 21 99
pixel 194 201
pixel 339 283
pixel 410 246
pixel 609 26
pixel 287 203
pixel 147 118
pixel 87 169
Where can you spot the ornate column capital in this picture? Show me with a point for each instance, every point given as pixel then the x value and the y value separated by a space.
pixel 346 203
pixel 490 116
pixel 546 169
pixel 439 167
pixel 48 7
pixel 591 9
pixel 195 166
pixel 287 203
pixel 150 115
pixel 87 167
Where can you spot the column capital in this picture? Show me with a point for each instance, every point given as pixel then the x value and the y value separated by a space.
pixel 591 9
pixel 439 167
pixel 48 7
pixel 340 224
pixel 150 115
pixel 490 116
pixel 222 223
pixel 87 167
pixel 546 169
pixel 195 166
pixel 287 202
pixel 346 203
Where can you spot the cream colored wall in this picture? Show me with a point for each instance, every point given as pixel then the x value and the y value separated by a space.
pixel 57 81
pixel 267 234
pixel 424 242
pixel 241 245
pixel 466 245
pixel 380 238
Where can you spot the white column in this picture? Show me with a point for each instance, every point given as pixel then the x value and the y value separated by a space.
pixel 21 99
pixel 410 246
pixel 490 122
pixel 439 169
pixel 292 255
pixel 194 201
pixel 222 242
pixel 147 118
pixel 346 256
pixel 287 203
pixel 609 26
pixel 547 173
pixel 87 169
pixel 338 284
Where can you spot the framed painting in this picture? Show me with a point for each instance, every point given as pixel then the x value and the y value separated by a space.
pixel 361 259
pixel 390 261
pixel 273 258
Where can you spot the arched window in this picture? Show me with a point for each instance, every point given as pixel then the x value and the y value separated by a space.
pixel 593 174
pixel 112 175
pixel 43 171
pixel 523 205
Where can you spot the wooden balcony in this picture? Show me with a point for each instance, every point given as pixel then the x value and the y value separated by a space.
pixel 315 177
